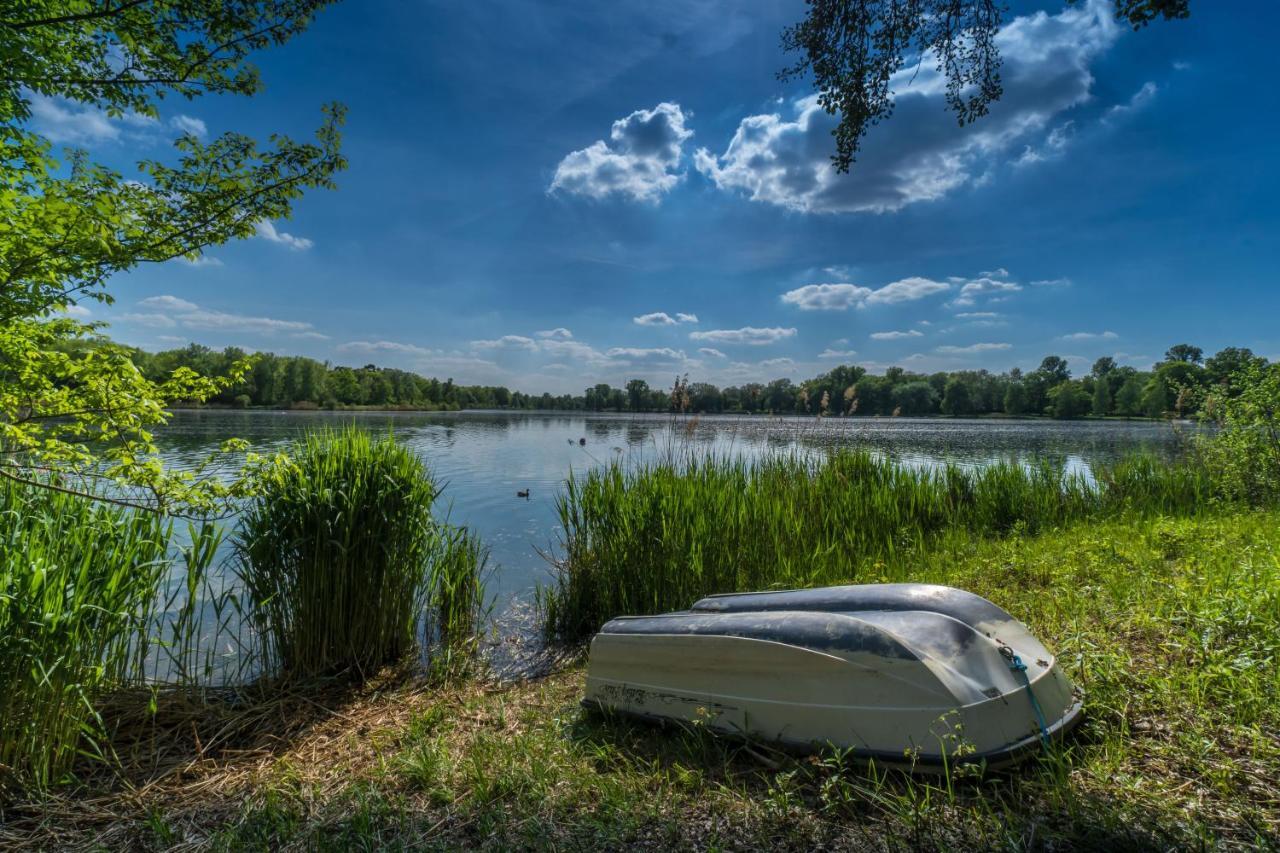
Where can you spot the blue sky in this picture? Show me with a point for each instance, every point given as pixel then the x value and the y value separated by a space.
pixel 550 195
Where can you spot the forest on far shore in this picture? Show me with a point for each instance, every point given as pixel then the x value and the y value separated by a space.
pixel 1170 387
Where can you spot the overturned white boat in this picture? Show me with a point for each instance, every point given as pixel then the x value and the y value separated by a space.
pixel 904 673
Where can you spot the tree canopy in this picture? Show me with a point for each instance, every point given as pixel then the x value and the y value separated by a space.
pixel 78 417
pixel 854 48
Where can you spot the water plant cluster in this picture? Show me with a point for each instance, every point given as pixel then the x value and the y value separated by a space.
pixel 657 537
pixel 344 563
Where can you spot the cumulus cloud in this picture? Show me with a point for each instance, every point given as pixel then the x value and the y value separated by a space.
pixel 639 162
pixel 267 231
pixel 973 348
pixel 662 318
pixel 1140 99
pixel 170 311
pixel 992 283
pixel 200 261
pixel 655 355
pixel 189 124
pixel 893 336
pixel 1089 336
pixel 370 347
pixel 921 154
pixel 711 352
pixel 508 342
pixel 78 311
pixel 168 303
pixel 826 297
pixel 560 334
pixel 841 297
pixel 67 122
pixel 837 353
pixel 747 335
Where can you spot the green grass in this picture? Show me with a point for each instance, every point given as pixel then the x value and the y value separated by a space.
pixel 345 563
pixel 81 589
pixel 1171 626
pixel 658 537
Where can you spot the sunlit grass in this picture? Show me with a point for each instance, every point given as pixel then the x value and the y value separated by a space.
pixel 658 537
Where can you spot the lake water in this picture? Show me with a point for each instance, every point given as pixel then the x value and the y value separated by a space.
pixel 486 457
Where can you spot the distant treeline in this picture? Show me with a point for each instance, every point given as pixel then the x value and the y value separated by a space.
pixel 1172 386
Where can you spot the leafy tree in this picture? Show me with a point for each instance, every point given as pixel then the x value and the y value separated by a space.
pixel 1015 399
pixel 1129 397
pixel 81 421
pixel 1054 369
pixel 1245 453
pixel 955 399
pixel 1155 397
pixel 915 398
pixel 1101 397
pixel 854 49
pixel 1103 366
pixel 638 395
pixel 1222 368
pixel 1184 353
pixel 1068 400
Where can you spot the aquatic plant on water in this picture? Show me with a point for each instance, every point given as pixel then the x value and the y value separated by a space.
pixel 345 563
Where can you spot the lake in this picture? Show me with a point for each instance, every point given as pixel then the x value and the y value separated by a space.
pixel 484 458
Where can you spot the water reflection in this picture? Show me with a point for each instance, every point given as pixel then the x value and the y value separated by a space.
pixel 486 457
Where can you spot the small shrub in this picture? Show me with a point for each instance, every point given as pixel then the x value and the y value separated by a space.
pixel 343 562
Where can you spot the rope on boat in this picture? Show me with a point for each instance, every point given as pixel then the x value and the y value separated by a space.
pixel 1016 665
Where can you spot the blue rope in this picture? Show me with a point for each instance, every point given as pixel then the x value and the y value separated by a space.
pixel 1016 664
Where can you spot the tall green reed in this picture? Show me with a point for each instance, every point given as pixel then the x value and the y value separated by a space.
pixel 344 563
pixel 657 537
pixel 82 614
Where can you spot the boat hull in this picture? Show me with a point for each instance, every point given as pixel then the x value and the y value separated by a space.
pixel 919 688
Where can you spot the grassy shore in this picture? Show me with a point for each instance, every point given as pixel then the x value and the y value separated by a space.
pixel 1171 626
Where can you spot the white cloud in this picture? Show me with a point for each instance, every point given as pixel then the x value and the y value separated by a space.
pixel 1140 99
pixel 988 284
pixel 67 122
pixel 168 303
pixel 657 318
pixel 639 162
pixel 977 315
pixel 1052 282
pixel 893 336
pixel 78 311
pixel 310 336
pixel 661 355
pixel 200 261
pixel 841 297
pixel 189 124
pixel 972 348
pixel 218 320
pixel 1054 144
pixel 748 335
pixel 560 334
pixel 711 352
pixel 837 353
pixel 826 297
pixel 507 342
pixel 154 321
pixel 921 154
pixel 383 346
pixel 777 362
pixel 267 231
pixel 171 311
pixel 906 290
pixel 1089 336
pixel 662 318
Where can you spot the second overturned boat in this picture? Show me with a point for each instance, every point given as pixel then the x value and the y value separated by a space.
pixel 904 673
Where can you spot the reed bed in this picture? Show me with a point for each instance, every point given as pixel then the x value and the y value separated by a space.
pixel 345 564
pixel 654 538
pixel 81 603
